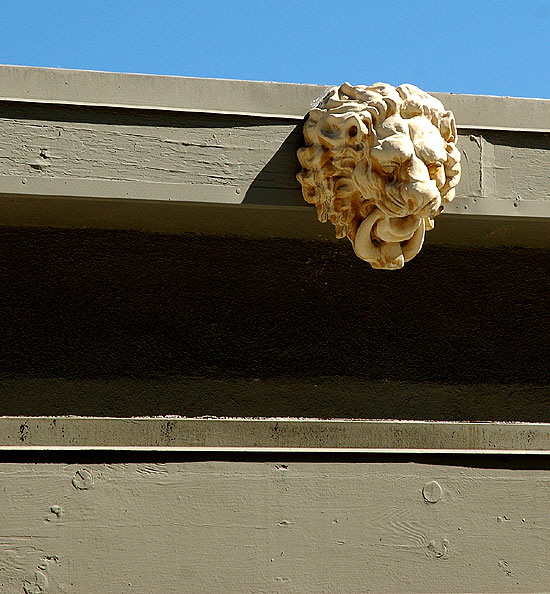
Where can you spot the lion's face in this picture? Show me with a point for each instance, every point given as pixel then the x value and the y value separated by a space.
pixel 381 170
pixel 409 156
pixel 407 165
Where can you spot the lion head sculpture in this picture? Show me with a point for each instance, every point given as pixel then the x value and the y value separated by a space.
pixel 380 163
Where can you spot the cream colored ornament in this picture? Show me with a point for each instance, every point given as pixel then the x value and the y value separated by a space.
pixel 380 163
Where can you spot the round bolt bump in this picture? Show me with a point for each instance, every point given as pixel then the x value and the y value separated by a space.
pixel 83 479
pixel 432 492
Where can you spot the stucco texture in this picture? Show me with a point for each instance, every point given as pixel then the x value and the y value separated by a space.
pixel 126 323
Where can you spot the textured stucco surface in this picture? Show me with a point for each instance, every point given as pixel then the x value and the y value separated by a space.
pixel 127 323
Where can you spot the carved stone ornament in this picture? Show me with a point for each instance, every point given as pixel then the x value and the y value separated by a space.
pixel 380 163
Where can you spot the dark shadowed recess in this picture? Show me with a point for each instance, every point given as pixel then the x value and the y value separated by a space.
pixel 278 459
pixel 129 323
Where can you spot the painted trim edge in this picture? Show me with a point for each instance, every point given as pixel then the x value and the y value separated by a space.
pixel 237 97
pixel 271 435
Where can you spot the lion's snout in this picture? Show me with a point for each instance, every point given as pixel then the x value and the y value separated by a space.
pixel 422 198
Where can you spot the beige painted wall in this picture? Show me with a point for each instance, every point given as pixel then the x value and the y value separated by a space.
pixel 273 526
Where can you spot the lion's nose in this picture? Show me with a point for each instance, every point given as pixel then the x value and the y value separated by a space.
pixel 421 195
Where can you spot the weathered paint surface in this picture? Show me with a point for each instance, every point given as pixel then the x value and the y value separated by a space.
pixel 172 433
pixel 167 148
pixel 281 526
pixel 48 142
pixel 100 167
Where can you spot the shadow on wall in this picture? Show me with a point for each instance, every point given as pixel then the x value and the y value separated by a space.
pixel 128 323
pixel 276 183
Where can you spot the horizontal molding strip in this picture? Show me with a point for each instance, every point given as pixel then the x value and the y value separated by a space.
pixel 271 435
pixel 98 189
pixel 237 97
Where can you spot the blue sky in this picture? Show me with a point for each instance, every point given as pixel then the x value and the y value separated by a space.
pixel 495 47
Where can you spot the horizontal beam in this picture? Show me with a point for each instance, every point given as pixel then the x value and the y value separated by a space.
pixel 271 434
pixel 222 96
pixel 219 157
pixel 101 189
pixel 257 222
